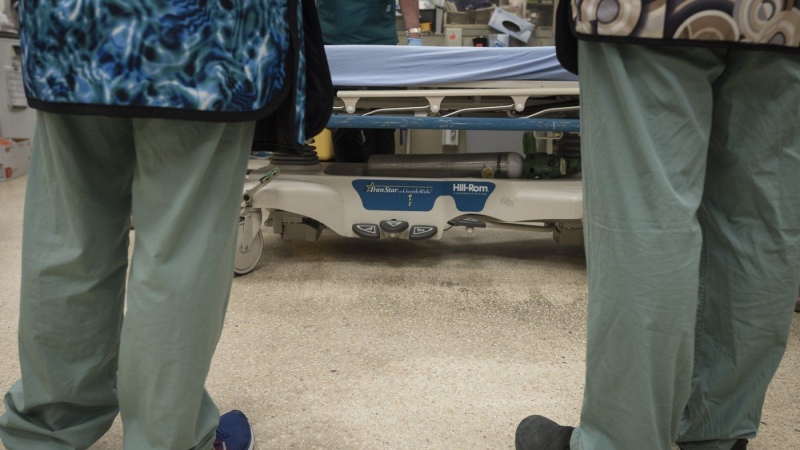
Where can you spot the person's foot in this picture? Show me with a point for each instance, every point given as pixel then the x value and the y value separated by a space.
pixel 234 432
pixel 741 444
pixel 541 433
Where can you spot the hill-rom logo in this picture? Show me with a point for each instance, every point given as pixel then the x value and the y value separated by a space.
pixel 423 195
pixel 383 189
pixel 471 188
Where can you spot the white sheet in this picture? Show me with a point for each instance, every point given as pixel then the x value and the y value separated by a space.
pixel 402 66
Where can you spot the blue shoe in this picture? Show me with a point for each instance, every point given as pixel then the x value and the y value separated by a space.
pixel 234 432
pixel 260 155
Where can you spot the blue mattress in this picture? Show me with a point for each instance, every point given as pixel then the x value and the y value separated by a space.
pixel 400 65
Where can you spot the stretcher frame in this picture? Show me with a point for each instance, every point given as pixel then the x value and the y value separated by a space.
pixel 300 202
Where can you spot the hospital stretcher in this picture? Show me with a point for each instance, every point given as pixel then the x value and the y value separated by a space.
pixel 418 197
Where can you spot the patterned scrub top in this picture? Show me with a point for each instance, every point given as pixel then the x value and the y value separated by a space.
pixel 766 23
pixel 220 60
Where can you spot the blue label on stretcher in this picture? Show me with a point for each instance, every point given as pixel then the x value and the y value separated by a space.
pixel 406 195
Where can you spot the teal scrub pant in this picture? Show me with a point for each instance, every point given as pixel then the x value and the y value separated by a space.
pixel 691 162
pixel 81 362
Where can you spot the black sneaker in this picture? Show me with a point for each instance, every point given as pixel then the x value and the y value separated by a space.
pixel 541 433
pixel 741 444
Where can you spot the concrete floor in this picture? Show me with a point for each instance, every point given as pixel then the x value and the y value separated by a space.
pixel 348 344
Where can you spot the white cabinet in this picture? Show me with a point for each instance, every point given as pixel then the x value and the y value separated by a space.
pixel 17 120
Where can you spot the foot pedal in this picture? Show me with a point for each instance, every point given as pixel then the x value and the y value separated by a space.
pixel 419 232
pixel 367 230
pixel 469 223
pixel 393 226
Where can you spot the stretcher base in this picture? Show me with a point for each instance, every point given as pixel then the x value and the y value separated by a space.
pixel 300 203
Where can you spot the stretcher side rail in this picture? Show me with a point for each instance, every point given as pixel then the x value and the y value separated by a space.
pixel 435 96
pixel 454 123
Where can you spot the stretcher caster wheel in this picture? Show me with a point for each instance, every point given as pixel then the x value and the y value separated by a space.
pixel 247 257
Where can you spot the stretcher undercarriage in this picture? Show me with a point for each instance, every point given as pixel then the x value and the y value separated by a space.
pixel 417 197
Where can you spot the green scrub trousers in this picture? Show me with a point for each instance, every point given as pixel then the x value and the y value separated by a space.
pixel 81 362
pixel 691 162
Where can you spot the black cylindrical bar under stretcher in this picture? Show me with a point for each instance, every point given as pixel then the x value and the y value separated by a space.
pixel 472 165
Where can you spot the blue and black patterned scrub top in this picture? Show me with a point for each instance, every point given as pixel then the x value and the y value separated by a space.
pixel 223 60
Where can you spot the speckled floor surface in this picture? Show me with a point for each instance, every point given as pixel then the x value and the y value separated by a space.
pixel 348 344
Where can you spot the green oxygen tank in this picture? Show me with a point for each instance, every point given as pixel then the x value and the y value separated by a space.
pixel 564 161
pixel 573 165
pixel 544 165
pixel 529 143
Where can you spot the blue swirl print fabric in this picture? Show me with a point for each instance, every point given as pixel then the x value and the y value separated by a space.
pixel 219 56
pixel 300 87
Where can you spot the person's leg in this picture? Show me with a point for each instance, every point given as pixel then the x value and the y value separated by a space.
pixel 378 141
pixel 74 262
pixel 187 189
pixel 751 233
pixel 348 145
pixel 645 127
